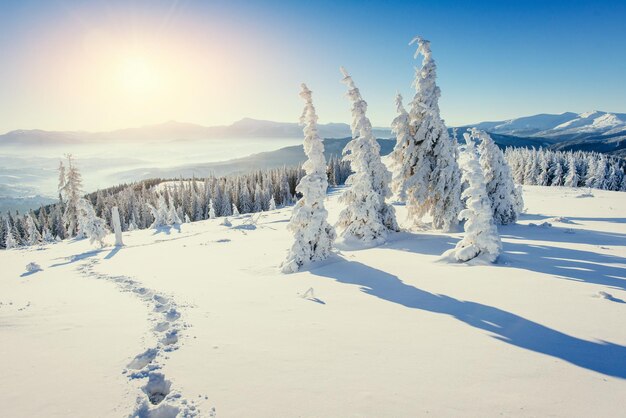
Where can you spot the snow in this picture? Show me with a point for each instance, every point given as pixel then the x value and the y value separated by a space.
pixel 380 332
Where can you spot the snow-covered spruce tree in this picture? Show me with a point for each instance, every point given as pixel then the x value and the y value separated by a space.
pixel 367 218
pixel 61 180
pixel 427 173
pixel 47 236
pixel 10 240
pixel 172 214
pixel 160 213
pixel 89 224
pixel 235 210
pixel 498 179
pixel 211 209
pixel 272 204
pixel 313 235
pixel 34 237
pixel 557 174
pixel 403 156
pixel 481 239
pixel 72 193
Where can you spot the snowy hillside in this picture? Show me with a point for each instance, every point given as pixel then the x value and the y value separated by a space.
pixel 567 125
pixel 181 321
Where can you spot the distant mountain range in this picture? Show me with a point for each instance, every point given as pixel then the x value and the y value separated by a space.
pixel 562 127
pixel 589 131
pixel 178 131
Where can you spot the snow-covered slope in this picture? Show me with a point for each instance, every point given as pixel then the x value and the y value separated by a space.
pixel 564 126
pixel 383 332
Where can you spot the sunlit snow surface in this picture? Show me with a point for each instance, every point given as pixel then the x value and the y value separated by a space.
pixel 381 332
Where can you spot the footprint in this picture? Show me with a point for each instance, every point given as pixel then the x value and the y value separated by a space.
pixel 172 315
pixel 170 338
pixel 161 326
pixel 142 360
pixel 161 299
pixel 158 307
pixel 163 411
pixel 157 388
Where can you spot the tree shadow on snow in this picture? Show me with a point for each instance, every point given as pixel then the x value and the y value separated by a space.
pixel 78 257
pixel 602 357
pixel 561 234
pixel 420 243
pixel 166 229
pixel 113 252
pixel 564 263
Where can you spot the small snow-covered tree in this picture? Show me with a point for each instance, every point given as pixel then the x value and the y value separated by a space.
pixel 33 237
pixel 367 217
pixel 132 225
pixel 211 209
pixel 313 235
pixel 557 174
pixel 160 213
pixel 258 199
pixel 172 214
pixel 499 181
pixel 272 205
pixel 481 239
pixel 10 240
pixel 89 224
pixel 235 210
pixel 543 178
pixel 47 236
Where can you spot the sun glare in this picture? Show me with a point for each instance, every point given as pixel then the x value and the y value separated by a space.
pixel 139 77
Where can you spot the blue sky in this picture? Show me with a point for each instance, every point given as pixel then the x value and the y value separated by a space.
pixel 213 62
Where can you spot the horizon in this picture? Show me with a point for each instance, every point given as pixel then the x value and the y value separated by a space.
pixel 114 65
pixel 182 122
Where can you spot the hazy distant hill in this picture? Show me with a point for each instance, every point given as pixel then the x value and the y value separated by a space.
pixel 172 131
pixel 287 156
pixel 590 131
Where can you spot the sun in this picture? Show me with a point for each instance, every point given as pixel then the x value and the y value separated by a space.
pixel 139 77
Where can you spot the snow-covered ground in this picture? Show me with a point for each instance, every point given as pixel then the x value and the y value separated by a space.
pixel 202 317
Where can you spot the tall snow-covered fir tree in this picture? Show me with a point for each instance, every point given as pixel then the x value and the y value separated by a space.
pixel 427 174
pixel 367 217
pixel 71 191
pixel 481 239
pixel 313 235
pixel 499 180
pixel 404 153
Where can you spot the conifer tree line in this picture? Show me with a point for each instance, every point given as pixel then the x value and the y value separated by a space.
pixel 544 167
pixel 154 202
